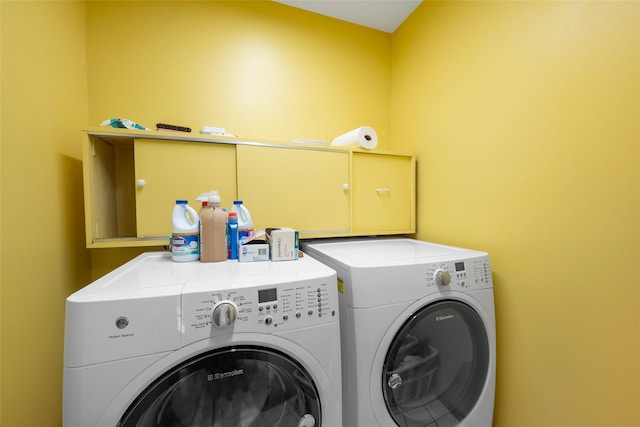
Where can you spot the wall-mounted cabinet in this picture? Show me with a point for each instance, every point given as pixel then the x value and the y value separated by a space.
pixel 133 178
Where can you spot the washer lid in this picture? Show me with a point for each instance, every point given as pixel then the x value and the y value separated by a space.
pixel 388 252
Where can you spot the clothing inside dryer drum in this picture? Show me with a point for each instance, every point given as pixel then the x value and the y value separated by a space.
pixel 233 388
pixel 436 366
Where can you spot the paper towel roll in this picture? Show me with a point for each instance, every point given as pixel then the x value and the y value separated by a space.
pixel 364 136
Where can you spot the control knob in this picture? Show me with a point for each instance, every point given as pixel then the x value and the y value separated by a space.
pixel 224 314
pixel 443 278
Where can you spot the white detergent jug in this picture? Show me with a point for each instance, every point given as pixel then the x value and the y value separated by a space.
pixel 185 233
pixel 245 225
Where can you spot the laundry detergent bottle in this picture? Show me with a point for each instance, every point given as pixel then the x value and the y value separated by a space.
pixel 245 224
pixel 185 233
pixel 232 235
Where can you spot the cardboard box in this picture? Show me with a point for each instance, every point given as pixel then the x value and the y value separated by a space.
pixel 283 244
pixel 253 249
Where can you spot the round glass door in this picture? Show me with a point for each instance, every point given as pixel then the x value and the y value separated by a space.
pixel 231 387
pixel 436 366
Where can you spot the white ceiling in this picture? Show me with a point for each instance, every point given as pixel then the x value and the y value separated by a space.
pixel 383 15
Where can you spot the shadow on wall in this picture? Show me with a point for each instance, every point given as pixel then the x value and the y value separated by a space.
pixel 72 245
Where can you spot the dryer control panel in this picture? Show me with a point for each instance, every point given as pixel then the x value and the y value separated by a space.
pixel 261 309
pixel 470 273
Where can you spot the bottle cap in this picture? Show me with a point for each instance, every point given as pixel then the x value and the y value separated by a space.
pixel 181 202
pixel 237 202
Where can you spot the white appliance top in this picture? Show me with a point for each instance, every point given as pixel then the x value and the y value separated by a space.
pixel 389 252
pixel 155 274
pixel 377 272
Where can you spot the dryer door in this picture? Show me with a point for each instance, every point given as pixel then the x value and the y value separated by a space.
pixel 236 386
pixel 436 366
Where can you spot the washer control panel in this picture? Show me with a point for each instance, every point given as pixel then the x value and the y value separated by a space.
pixel 464 274
pixel 263 309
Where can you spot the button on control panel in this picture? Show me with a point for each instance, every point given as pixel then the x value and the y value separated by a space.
pixel 295 303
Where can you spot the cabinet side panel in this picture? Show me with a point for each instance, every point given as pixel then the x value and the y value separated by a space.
pixel 125 191
pixel 102 184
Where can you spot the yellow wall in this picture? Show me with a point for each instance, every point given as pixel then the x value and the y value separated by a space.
pixel 1 134
pixel 259 69
pixel 44 103
pixel 525 117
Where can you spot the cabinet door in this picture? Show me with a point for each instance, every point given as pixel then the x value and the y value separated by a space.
pixel 305 189
pixel 172 170
pixel 383 193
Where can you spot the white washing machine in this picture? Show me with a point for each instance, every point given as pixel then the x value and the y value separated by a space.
pixel 159 343
pixel 418 332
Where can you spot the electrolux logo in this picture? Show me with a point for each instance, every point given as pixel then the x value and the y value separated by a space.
pixel 445 317
pixel 229 374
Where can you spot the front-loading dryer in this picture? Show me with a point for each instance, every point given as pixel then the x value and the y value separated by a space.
pixel 417 330
pixel 160 343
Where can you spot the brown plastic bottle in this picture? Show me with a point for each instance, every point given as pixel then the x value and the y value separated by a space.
pixel 213 239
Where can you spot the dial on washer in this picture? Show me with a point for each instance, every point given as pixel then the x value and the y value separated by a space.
pixel 443 278
pixel 224 314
